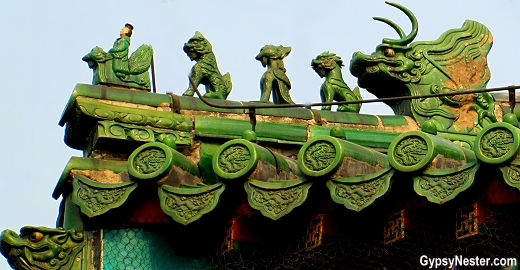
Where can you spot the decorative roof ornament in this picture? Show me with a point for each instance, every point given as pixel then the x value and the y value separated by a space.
pixel 274 79
pixel 115 68
pixel 206 71
pixel 328 65
pixel 456 61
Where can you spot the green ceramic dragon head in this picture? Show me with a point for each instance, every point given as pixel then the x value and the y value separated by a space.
pixel 197 46
pixel 456 61
pixel 41 247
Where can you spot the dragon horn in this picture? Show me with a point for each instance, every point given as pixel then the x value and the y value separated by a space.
pixel 393 24
pixel 403 39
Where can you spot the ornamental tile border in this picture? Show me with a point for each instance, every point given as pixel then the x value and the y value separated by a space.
pixel 96 198
pixel 357 193
pixel 186 205
pixel 440 186
pixel 127 115
pixel 276 198
pixel 108 129
pixel 511 175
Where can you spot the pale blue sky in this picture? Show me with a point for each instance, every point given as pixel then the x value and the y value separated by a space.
pixel 43 43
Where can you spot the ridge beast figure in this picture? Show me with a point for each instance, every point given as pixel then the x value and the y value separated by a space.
pixel 206 71
pixel 115 68
pixel 329 65
pixel 456 61
pixel 43 248
pixel 274 79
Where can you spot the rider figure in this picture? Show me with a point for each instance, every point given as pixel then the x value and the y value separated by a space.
pixel 119 52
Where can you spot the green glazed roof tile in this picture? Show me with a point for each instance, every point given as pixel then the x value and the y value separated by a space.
pixel 349 118
pixel 297 113
pixel 368 138
pixel 393 120
pixel 194 103
pixel 231 128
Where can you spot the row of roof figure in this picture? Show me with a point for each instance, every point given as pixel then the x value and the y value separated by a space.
pixel 445 68
pixel 116 68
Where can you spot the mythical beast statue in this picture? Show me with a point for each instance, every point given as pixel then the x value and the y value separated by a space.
pixel 329 65
pixel 42 248
pixel 115 68
pixel 206 71
pixel 275 79
pixel 457 61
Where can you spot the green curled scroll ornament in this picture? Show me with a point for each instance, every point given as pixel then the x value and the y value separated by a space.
pixel 497 143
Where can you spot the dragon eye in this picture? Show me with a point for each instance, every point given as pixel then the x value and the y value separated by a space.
pixel 389 52
pixel 36 236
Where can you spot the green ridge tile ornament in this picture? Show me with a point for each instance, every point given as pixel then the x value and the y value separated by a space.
pixel 115 68
pixel 134 116
pixel 95 198
pixel 44 248
pixel 498 143
pixel 414 151
pixel 242 159
pixel 206 71
pixel 275 199
pixel 334 88
pixel 274 79
pixel 358 192
pixel 456 61
pixel 154 160
pixel 114 130
pixel 110 94
pixel 186 205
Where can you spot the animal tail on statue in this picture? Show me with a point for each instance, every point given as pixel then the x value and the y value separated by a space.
pixel 355 107
pixel 226 78
pixel 140 61
pixel 357 94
